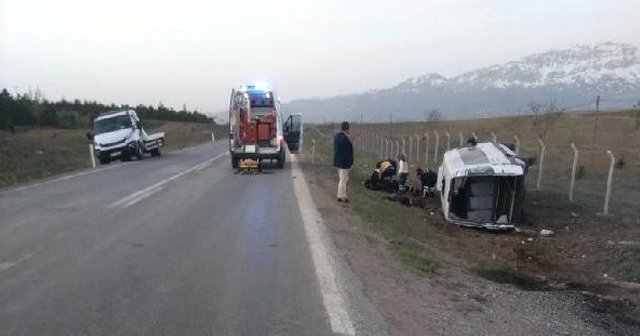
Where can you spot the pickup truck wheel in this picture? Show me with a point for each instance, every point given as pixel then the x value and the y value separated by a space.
pixel 104 159
pixel 156 152
pixel 140 151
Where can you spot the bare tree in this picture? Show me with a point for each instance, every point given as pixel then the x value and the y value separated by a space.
pixel 545 117
pixel 37 99
pixel 434 116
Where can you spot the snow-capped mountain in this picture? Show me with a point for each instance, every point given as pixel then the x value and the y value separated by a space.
pixel 572 77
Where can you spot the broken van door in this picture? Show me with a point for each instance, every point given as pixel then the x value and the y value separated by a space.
pixel 292 130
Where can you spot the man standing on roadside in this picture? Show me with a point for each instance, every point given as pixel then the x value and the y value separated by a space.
pixel 343 159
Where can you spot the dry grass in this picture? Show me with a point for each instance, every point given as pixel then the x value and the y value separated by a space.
pixel 586 246
pixel 43 153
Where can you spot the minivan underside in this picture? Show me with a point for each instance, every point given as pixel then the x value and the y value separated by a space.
pixel 492 202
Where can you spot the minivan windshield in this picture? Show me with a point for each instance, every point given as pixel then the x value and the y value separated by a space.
pixel 112 124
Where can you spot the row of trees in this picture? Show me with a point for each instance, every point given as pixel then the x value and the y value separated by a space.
pixel 33 110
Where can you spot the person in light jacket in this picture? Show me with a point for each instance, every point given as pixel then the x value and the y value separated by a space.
pixel 343 159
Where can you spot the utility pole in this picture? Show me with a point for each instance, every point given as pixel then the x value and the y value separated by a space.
pixel 595 122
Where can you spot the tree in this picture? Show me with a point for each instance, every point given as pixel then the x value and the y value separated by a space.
pixel 37 104
pixel 545 116
pixel 434 116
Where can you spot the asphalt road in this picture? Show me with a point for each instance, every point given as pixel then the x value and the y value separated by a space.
pixel 175 245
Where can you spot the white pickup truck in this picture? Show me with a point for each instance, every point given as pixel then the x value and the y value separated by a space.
pixel 120 134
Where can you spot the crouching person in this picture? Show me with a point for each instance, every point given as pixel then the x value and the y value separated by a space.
pixel 428 179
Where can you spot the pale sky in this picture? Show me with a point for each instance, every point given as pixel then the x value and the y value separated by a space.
pixel 194 52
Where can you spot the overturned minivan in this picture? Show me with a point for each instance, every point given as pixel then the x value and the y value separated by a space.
pixel 482 186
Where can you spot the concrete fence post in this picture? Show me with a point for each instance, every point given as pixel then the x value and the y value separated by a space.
pixel 313 151
pixel 386 149
pixel 517 151
pixel 540 165
pixel 93 157
pixel 473 134
pixel 448 140
pixel 426 150
pixel 494 138
pixel 411 147
pixel 417 148
pixel 573 171
pixel 397 148
pixel 607 197
pixel 213 138
pixel 404 142
pixel 435 148
pixel 461 139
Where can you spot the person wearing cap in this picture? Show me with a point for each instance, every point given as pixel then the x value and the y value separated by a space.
pixel 343 159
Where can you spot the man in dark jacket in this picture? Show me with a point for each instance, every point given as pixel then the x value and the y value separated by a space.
pixel 343 159
pixel 428 179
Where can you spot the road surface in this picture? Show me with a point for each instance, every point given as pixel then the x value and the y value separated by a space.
pixel 175 245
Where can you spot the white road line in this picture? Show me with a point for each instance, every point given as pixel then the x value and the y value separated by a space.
pixel 8 264
pixel 143 193
pixel 323 256
pixel 65 177
pixel 141 197
pixel 203 166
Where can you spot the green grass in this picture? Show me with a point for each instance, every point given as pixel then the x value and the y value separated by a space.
pixel 37 154
pixel 388 219
pixel 579 252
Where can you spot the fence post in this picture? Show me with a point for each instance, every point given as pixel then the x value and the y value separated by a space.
pixel 540 165
pixel 313 151
pixel 397 148
pixel 448 140
pixel 404 142
pixel 411 146
pixel 473 134
pixel 461 139
pixel 93 158
pixel 612 164
pixel 517 151
pixel 435 149
pixel 573 171
pixel 417 148
pixel 386 148
pixel 494 137
pixel 213 138
pixel 426 151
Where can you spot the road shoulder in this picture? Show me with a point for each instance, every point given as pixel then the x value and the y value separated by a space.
pixel 454 301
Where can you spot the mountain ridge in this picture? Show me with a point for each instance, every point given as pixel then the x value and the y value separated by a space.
pixel 571 77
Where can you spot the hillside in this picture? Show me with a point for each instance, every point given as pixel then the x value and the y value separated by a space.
pixel 572 77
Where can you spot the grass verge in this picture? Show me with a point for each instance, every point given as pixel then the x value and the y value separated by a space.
pixel 44 153
pixel 388 219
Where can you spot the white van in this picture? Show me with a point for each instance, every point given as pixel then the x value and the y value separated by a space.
pixel 482 186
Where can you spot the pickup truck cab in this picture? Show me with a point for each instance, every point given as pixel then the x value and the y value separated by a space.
pixel 120 134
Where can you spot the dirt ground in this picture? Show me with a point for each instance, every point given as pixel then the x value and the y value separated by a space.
pixel 454 300
pixel 581 280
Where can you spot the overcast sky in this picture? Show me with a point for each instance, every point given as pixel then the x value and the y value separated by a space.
pixel 194 52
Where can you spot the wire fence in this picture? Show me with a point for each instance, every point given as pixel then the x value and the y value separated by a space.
pixel 598 170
